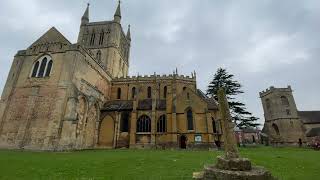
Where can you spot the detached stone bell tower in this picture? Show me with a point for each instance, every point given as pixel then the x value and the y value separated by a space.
pixel 282 122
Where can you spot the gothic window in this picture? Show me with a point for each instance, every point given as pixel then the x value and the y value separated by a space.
pixel 101 38
pixel 214 126
pixel 98 56
pixel 124 124
pixel 133 92
pixel 162 124
pixel 190 119
pixel 119 93
pixel 48 71
pixel 144 124
pixel 42 67
pixel 165 92
pixel 149 92
pixel 276 129
pixel 93 36
pixel 184 88
pixel 284 101
pixel 35 69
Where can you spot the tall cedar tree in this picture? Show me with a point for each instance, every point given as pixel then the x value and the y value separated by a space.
pixel 240 115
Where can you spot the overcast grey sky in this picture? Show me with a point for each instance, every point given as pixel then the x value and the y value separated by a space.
pixel 262 42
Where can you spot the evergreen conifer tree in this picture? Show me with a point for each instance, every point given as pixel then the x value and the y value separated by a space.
pixel 240 115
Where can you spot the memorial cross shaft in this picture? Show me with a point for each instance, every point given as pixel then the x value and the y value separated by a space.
pixel 231 150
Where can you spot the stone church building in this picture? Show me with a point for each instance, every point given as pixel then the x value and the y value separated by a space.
pixel 284 123
pixel 61 95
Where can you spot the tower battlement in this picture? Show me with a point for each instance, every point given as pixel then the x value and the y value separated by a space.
pixel 156 77
pixel 274 89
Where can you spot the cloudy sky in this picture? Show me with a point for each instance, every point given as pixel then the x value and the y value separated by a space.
pixel 262 42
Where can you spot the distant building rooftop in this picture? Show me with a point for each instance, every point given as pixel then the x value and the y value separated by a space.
pixel 310 117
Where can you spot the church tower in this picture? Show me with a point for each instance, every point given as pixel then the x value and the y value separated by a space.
pixel 282 122
pixel 107 42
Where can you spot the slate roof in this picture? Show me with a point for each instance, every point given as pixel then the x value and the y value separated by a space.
pixel 212 104
pixel 310 117
pixel 313 132
pixel 118 105
pixel 161 104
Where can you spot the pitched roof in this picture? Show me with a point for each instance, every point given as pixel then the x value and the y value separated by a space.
pixel 52 35
pixel 145 104
pixel 313 132
pixel 309 117
pixel 212 104
pixel 117 105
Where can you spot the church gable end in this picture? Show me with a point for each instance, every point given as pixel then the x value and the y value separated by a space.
pixel 52 40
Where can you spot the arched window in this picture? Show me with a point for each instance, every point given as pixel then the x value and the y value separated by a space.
pixel 184 88
pixel 119 93
pixel 93 36
pixel 144 124
pixel 48 71
pixel 35 69
pixel 124 124
pixel 276 129
pixel 149 92
pixel 98 57
pixel 214 126
pixel 284 101
pixel 190 119
pixel 101 38
pixel 42 67
pixel 165 92
pixel 162 124
pixel 133 92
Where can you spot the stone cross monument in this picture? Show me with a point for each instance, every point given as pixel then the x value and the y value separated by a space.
pixel 231 166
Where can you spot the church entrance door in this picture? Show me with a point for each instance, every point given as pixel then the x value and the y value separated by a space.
pixel 183 142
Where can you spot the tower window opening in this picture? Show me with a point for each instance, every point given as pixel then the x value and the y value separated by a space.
pixel 93 36
pixel 101 38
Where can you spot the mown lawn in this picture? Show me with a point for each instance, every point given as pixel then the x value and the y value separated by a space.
pixel 284 163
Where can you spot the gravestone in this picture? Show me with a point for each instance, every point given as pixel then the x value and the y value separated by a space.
pixel 231 166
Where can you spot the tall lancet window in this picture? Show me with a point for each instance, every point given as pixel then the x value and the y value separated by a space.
pixel 101 38
pixel 93 36
pixel 190 119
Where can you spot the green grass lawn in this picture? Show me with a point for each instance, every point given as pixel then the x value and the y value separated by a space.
pixel 284 163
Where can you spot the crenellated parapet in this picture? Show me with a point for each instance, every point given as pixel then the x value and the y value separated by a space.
pixel 274 89
pixel 156 77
